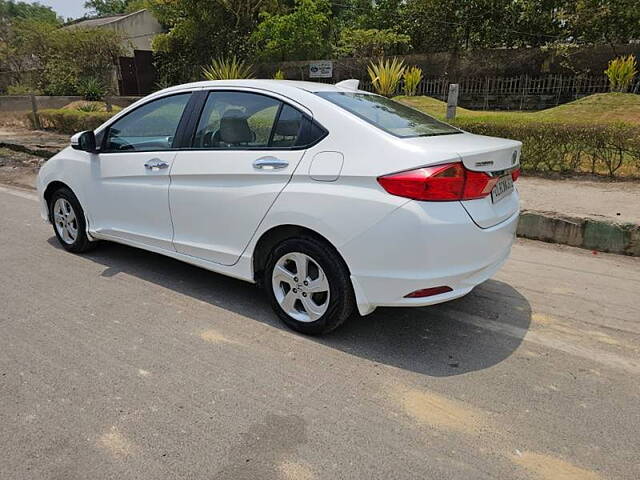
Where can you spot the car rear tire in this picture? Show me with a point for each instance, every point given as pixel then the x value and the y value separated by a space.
pixel 308 286
pixel 68 221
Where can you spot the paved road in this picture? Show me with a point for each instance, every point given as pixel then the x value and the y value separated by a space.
pixel 124 364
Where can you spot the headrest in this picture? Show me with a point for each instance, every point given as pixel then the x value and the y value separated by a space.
pixel 234 128
pixel 288 128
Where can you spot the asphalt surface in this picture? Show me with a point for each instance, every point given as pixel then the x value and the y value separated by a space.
pixel 125 364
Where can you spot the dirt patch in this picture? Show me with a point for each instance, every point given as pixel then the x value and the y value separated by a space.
pixel 213 336
pixel 544 467
pixel 295 471
pixel 440 412
pixel 116 444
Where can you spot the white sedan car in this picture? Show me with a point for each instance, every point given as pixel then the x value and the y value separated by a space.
pixel 332 198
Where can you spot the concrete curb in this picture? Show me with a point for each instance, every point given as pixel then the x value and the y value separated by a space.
pixel 600 235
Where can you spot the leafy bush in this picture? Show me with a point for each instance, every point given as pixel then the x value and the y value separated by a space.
pixel 604 149
pixel 412 77
pixel 386 75
pixel 70 121
pixel 227 69
pixel 621 72
pixel 279 75
pixel 22 89
pixel 91 89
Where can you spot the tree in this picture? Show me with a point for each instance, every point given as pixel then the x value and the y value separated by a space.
pixel 64 57
pixel 298 35
pixel 106 7
pixel 370 43
pixel 603 21
pixel 199 31
pixel 10 10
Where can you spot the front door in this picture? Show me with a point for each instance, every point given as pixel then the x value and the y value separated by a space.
pixel 128 194
pixel 243 154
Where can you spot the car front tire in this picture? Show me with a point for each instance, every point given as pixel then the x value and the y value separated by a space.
pixel 68 221
pixel 308 286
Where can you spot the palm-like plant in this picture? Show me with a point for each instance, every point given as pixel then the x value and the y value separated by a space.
pixel 621 72
pixel 279 75
pixel 412 77
pixel 386 75
pixel 227 69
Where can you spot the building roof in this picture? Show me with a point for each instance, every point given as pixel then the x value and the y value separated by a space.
pixel 99 21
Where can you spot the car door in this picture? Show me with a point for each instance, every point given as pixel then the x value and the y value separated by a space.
pixel 244 152
pixel 129 191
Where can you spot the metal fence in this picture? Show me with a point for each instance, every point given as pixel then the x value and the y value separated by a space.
pixel 523 92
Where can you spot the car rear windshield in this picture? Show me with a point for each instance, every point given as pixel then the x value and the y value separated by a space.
pixel 390 116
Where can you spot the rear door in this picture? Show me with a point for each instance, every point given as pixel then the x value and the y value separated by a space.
pixel 243 153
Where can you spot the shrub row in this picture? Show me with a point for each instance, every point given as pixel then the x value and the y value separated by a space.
pixel 70 121
pixel 602 149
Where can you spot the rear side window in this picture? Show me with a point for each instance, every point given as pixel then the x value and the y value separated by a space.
pixel 390 116
pixel 149 127
pixel 244 120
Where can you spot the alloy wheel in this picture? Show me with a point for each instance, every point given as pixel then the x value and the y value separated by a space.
pixel 65 220
pixel 300 286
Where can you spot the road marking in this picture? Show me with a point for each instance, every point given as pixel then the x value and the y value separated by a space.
pixel 609 359
pixel 19 193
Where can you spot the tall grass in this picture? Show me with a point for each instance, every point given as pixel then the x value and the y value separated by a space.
pixel 227 69
pixel 386 75
pixel 621 72
pixel 412 77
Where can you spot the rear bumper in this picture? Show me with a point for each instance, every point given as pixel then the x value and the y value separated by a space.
pixel 424 245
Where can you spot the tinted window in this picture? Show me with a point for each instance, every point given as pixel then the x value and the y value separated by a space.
pixel 287 128
pixel 236 120
pixel 390 116
pixel 149 127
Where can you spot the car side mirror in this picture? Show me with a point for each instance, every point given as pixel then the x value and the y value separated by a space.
pixel 85 141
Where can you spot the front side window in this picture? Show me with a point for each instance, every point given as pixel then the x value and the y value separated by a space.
pixel 390 116
pixel 240 120
pixel 149 127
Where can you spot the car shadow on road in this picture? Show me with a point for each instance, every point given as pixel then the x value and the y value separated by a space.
pixel 473 333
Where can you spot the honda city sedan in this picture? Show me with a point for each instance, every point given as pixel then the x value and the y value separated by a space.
pixel 333 199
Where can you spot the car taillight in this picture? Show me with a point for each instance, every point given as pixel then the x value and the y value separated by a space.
pixel 515 174
pixel 440 183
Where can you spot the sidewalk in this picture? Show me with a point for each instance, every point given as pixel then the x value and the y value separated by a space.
pixel 598 215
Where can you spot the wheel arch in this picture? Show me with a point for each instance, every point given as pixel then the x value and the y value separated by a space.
pixel 277 234
pixel 52 187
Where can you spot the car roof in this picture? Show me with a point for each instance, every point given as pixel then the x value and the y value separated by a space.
pixel 278 86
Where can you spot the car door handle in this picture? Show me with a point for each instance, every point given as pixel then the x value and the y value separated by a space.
pixel 156 163
pixel 270 163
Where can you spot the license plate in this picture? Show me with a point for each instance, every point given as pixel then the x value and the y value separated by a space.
pixel 502 189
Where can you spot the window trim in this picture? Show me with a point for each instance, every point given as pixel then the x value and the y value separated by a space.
pixel 304 124
pixel 182 123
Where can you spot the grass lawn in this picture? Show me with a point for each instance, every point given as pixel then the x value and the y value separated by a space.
pixel 599 108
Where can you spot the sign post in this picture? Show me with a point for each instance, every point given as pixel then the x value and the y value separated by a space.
pixel 321 69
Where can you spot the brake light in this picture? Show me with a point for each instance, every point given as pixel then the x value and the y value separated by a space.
pixel 440 183
pixel 515 174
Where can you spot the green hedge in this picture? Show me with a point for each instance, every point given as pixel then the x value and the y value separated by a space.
pixel 70 121
pixel 603 149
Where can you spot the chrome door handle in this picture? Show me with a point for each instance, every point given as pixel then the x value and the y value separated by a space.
pixel 156 163
pixel 270 163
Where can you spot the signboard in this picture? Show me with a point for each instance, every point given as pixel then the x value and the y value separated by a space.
pixel 322 69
